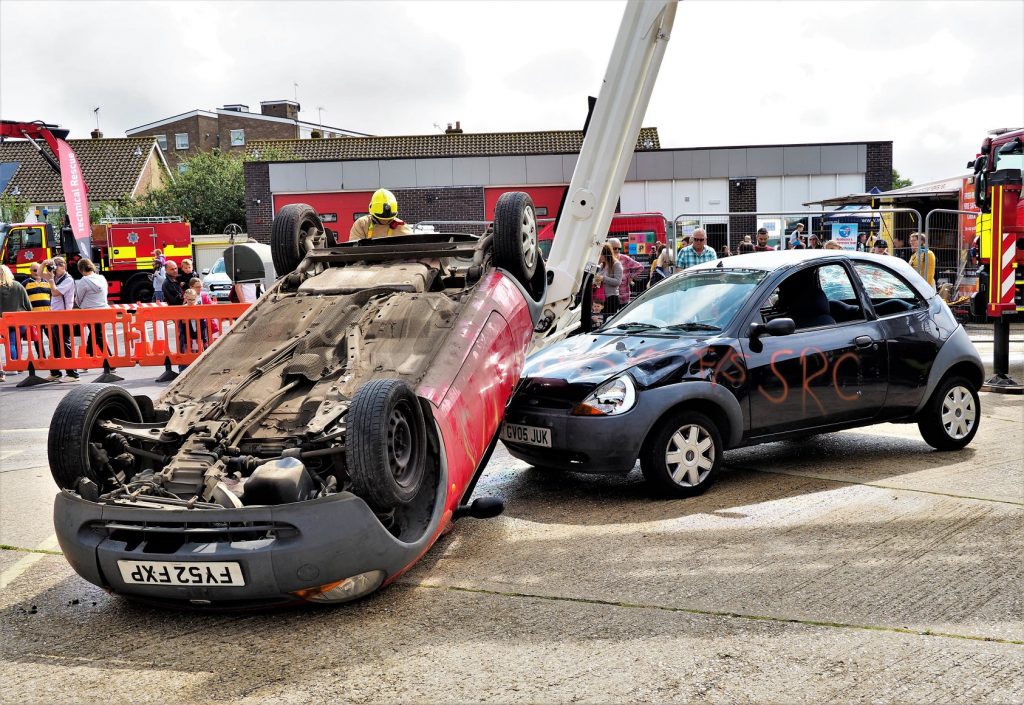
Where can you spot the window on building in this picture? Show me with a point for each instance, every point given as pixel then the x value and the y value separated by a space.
pixel 161 140
pixel 238 138
pixel 181 140
pixel 182 168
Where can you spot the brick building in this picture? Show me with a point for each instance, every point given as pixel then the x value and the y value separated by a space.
pixel 459 176
pixel 232 128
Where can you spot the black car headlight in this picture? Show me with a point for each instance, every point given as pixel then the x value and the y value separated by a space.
pixel 616 396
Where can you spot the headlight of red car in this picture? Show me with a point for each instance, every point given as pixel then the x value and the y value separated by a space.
pixel 344 590
pixel 616 396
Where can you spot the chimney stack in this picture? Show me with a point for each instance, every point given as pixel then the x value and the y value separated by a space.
pixel 96 134
pixel 457 130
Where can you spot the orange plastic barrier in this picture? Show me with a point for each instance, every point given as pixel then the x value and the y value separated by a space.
pixel 179 334
pixel 116 337
pixel 97 336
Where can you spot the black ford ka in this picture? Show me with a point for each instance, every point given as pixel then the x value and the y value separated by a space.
pixel 746 350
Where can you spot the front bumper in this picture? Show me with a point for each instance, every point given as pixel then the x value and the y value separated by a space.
pixel 280 549
pixel 591 444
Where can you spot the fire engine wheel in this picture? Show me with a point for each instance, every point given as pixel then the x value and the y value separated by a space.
pixel 515 235
pixel 75 446
pixel 387 443
pixel 138 289
pixel 292 225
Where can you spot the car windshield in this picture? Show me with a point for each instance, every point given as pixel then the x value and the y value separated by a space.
pixel 702 301
pixel 218 267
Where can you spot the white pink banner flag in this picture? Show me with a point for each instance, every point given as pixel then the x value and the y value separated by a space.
pixel 75 193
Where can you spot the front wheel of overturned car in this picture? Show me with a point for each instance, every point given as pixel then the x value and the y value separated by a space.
pixel 75 444
pixel 950 419
pixel 683 454
pixel 387 443
pixel 292 225
pixel 515 236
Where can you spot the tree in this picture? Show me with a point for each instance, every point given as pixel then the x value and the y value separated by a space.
pixel 13 208
pixel 899 182
pixel 209 193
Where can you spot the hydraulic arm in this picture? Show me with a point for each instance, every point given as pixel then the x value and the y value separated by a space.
pixel 603 161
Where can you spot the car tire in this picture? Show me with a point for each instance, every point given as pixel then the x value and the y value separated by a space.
pixel 288 235
pixel 515 236
pixel 682 455
pixel 138 289
pixel 387 443
pixel 74 428
pixel 950 419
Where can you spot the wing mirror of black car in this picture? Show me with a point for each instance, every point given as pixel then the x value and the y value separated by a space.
pixel 776 327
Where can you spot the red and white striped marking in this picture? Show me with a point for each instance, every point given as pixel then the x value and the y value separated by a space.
pixel 1006 272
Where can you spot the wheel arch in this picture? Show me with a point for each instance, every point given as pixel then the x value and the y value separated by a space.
pixel 957 356
pixel 709 399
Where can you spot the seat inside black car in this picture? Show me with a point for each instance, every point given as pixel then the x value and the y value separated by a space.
pixel 816 296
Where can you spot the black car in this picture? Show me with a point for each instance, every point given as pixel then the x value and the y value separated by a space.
pixel 746 350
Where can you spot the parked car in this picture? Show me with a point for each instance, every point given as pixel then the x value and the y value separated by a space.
pixel 245 262
pixel 750 349
pixel 216 282
pixel 320 447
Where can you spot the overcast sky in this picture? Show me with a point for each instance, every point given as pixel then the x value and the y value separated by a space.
pixel 931 76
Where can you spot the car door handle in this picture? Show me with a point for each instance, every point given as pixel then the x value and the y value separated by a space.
pixel 865 341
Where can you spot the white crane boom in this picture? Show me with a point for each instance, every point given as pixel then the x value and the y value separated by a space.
pixel 604 158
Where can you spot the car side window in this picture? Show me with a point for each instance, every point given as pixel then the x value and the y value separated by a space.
pixel 889 294
pixel 843 304
pixel 814 297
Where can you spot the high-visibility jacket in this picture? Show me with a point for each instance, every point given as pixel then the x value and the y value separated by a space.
pixel 366 227
pixel 924 265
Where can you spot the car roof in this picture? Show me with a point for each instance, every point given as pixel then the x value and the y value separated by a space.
pixel 783 259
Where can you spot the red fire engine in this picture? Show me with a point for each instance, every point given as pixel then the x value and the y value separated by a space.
pixel 1000 231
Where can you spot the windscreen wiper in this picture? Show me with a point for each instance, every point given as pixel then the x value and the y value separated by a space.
pixel 693 325
pixel 632 326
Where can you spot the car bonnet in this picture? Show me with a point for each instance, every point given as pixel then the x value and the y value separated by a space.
pixel 591 359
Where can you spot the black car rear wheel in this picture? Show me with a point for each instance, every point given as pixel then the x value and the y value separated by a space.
pixel 387 443
pixel 683 454
pixel 292 225
pixel 949 421
pixel 75 444
pixel 515 235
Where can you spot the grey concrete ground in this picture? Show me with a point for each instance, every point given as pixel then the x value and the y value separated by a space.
pixel 858 566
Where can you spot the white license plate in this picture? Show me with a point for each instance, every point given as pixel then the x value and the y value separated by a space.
pixel 168 573
pixel 530 435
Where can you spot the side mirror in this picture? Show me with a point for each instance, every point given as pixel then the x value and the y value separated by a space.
pixel 776 327
pixel 205 272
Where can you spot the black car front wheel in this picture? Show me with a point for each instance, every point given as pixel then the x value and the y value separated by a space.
pixel 683 454
pixel 949 421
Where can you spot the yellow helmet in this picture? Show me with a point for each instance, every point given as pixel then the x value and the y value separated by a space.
pixel 384 205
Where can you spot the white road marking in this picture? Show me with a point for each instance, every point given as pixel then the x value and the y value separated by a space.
pixel 15 571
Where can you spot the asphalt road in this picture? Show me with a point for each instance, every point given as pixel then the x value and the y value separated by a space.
pixel 858 566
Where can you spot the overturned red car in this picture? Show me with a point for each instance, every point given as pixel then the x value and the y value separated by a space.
pixel 322 444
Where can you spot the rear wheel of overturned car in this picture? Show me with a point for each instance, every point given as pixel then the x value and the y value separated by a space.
pixel 75 444
pixel 515 235
pixel 683 454
pixel 950 419
pixel 292 225
pixel 386 443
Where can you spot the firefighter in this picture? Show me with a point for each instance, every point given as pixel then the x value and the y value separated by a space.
pixel 382 220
